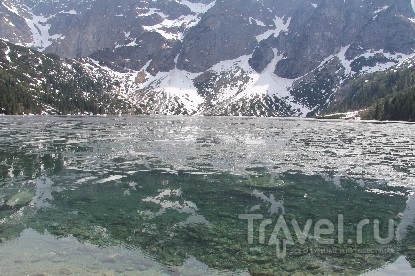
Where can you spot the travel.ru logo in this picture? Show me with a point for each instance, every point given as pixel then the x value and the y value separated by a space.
pixel 323 230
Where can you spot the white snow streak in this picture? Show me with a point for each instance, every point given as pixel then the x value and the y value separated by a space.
pixel 11 8
pixel 381 9
pixel 6 53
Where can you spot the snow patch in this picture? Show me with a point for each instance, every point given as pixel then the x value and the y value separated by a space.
pixel 6 53
pixel 168 28
pixel 175 84
pixel 378 11
pixel 280 26
pixel 73 12
pixel 132 43
pixel 40 32
pixel 198 8
pixel 344 61
pixel 172 89
pixel 270 84
pixel 150 12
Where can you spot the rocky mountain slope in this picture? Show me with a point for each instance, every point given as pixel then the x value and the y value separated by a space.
pixel 32 82
pixel 223 57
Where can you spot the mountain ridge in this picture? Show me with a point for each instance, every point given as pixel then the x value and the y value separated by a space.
pixel 235 57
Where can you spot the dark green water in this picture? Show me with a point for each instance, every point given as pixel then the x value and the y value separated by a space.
pixel 164 195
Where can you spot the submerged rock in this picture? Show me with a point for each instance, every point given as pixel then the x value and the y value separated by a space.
pixel 260 272
pixel 20 199
pixel 265 182
pixel 313 266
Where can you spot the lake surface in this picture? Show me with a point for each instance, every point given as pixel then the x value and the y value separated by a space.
pixel 205 196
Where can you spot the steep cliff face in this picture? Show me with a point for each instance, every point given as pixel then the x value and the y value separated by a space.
pixel 109 24
pixel 223 57
pixel 364 25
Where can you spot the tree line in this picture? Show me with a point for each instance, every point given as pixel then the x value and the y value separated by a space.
pixel 399 106
pixel 385 95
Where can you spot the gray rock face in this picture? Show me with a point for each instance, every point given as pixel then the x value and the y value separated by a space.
pixel 151 47
pixel 390 31
pixel 100 27
pixel 334 24
pixel 86 26
pixel 263 54
pixel 224 33
pixel 303 50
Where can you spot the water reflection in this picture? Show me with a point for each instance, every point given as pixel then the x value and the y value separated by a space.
pixel 193 216
pixel 33 253
pixel 172 189
pixel 164 199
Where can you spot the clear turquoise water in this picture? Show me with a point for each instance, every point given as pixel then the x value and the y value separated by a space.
pixel 162 195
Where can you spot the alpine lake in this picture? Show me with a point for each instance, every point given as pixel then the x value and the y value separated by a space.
pixel 161 195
